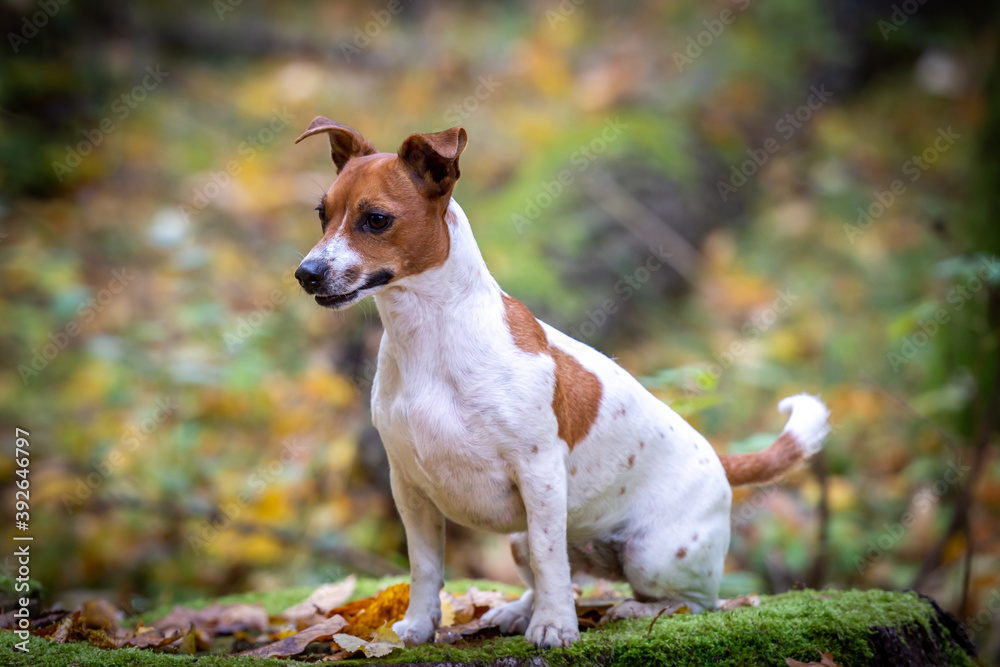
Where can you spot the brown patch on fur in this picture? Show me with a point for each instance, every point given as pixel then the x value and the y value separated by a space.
pixel 527 332
pixel 418 238
pixel 631 460
pixel 534 449
pixel 621 491
pixel 578 391
pixel 682 552
pixel 764 466
pixel 577 397
pixel 517 550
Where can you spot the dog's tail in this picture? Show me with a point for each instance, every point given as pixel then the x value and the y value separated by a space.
pixel 802 437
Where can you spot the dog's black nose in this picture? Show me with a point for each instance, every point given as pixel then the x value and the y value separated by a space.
pixel 310 274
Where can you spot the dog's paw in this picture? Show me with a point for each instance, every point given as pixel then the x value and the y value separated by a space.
pixel 511 618
pixel 551 633
pixel 413 631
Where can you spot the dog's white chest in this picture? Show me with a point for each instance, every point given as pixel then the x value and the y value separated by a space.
pixel 445 438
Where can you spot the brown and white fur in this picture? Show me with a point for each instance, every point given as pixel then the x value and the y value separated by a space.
pixel 499 422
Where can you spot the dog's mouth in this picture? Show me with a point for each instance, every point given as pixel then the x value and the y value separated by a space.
pixel 377 279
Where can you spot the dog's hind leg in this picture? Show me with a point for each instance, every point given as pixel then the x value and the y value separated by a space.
pixel 675 559
pixel 513 617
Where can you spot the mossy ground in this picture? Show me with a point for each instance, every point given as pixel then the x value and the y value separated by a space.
pixel 796 625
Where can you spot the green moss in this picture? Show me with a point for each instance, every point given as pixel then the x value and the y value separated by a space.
pixel 795 625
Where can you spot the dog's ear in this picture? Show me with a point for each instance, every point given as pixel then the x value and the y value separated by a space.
pixel 345 142
pixel 433 160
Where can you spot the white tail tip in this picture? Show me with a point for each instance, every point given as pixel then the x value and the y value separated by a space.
pixel 807 421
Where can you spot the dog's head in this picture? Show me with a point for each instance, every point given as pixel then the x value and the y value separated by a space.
pixel 384 217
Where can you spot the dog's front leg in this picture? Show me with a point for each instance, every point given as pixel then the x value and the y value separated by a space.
pixel 424 525
pixel 542 480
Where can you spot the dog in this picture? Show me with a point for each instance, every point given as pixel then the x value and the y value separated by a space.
pixel 499 422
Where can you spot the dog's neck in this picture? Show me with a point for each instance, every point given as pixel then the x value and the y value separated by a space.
pixel 450 300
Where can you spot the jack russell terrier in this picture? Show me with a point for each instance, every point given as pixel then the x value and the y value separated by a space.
pixel 499 422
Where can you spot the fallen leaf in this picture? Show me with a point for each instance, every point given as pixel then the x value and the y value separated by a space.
pixel 142 636
pixel 63 628
pixel 450 634
pixel 590 611
pixel 386 608
pixel 447 608
pixel 383 643
pixel 474 603
pixel 751 600
pixel 323 599
pixel 297 643
pixel 99 615
pixel 181 618
pixel 194 640
pixel 241 618
pixel 46 622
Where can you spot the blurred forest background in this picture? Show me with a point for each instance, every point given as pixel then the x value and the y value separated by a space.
pixel 759 197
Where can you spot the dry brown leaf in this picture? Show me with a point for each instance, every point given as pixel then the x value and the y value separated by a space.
pixel 181 618
pixel 826 660
pixel 451 634
pixel 99 615
pixel 142 636
pixel 474 603
pixel 47 622
pixel 235 618
pixel 447 608
pixel 751 600
pixel 322 600
pixel 297 643
pixel 61 635
pixel 189 643
pixel 590 611
pixel 386 608
pixel 383 643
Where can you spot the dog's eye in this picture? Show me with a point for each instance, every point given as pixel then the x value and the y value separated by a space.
pixel 377 221
pixel 322 218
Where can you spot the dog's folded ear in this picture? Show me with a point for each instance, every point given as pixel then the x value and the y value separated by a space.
pixel 433 159
pixel 345 142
